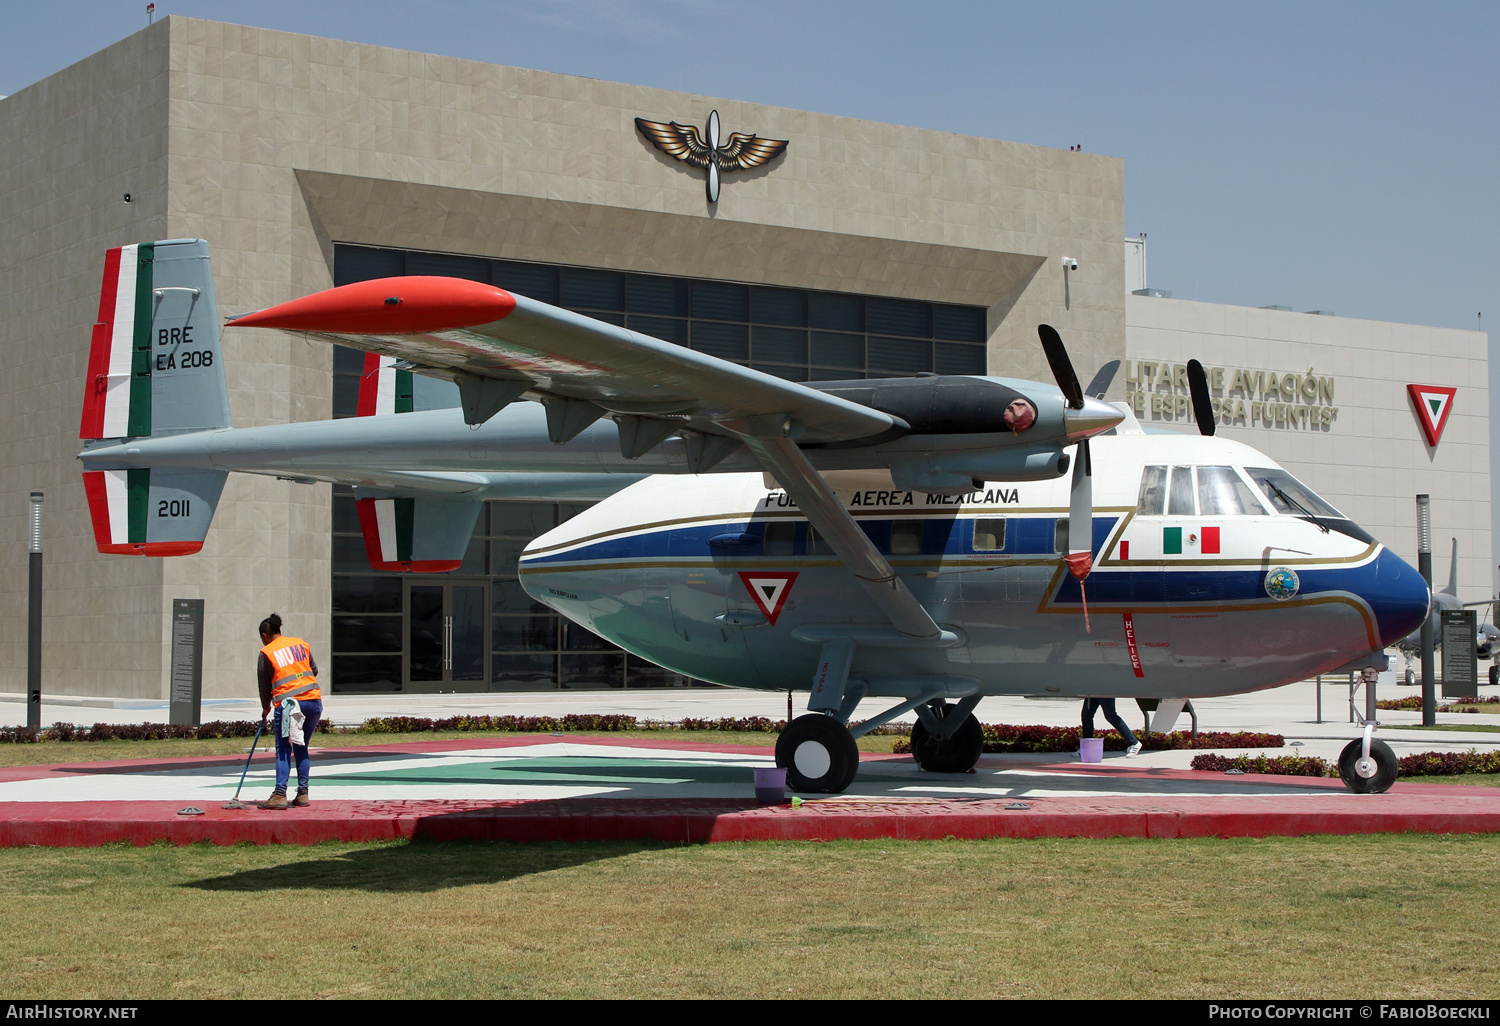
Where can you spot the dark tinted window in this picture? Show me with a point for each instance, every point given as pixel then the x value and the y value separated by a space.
pixel 898 317
pixel 443 265
pixel 592 290
pixel 721 302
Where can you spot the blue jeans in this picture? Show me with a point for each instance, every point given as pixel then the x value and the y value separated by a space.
pixel 312 711
pixel 1108 707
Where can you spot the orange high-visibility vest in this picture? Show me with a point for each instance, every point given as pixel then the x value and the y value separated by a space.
pixel 291 669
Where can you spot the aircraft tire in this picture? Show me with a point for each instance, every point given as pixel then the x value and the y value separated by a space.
pixel 1383 776
pixel 958 754
pixel 818 754
pixel 1494 675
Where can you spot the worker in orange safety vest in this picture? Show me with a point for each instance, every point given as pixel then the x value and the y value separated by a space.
pixel 288 678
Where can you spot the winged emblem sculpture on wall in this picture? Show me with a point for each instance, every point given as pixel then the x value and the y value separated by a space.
pixel 739 153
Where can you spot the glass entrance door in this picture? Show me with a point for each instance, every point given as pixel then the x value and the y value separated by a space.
pixel 445 640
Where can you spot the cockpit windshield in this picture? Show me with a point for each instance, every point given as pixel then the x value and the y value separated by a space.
pixel 1288 495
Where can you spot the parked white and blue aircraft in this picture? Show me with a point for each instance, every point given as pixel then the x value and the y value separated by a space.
pixel 925 541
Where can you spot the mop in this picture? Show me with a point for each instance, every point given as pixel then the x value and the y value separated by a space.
pixel 235 803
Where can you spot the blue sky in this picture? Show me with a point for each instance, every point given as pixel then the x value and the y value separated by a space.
pixel 1335 156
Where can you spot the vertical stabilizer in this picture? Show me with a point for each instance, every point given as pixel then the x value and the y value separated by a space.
pixel 1452 588
pixel 155 368
pixel 385 389
pixel 155 365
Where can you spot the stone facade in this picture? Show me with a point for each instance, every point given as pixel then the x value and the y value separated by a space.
pixel 273 146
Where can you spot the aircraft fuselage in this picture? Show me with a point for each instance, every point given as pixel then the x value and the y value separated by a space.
pixel 1188 604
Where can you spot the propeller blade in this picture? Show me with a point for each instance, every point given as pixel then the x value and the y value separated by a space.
pixel 1203 404
pixel 1080 554
pixel 1102 380
pixel 1062 367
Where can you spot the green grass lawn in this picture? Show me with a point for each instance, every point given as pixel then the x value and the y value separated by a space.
pixel 1489 728
pixel 1319 917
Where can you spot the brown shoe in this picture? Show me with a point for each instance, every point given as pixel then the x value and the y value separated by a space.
pixel 276 801
pixel 301 800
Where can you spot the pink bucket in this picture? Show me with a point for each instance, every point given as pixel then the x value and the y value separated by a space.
pixel 1091 749
pixel 770 785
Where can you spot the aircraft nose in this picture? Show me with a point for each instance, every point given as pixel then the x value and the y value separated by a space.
pixel 1400 598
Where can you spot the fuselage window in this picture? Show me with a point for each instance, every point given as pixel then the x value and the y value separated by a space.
pixel 780 537
pixel 1153 497
pixel 989 535
pixel 1180 496
pixel 1221 492
pixel 816 546
pixel 906 537
pixel 1060 535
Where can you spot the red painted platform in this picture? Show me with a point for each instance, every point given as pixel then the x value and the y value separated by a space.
pixel 1269 806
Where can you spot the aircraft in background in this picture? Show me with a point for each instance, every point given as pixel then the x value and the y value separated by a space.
pixel 1485 637
pixel 926 540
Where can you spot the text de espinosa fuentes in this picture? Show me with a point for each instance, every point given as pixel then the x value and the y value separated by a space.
pixel 1427 1011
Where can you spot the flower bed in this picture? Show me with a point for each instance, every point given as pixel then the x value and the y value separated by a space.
pixel 1003 738
pixel 1413 703
pixel 1424 764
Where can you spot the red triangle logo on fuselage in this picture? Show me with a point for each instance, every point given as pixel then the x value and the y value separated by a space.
pixel 769 589
pixel 1433 403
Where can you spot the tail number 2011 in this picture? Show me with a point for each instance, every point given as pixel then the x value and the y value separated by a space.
pixel 174 508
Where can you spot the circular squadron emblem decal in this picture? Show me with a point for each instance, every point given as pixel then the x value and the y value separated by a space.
pixel 1282 583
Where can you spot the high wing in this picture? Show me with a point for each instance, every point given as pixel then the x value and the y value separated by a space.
pixel 499 347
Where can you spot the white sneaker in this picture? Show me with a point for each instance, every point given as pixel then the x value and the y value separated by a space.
pixel 1133 749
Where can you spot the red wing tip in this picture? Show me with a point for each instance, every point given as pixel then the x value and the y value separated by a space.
pixel 153 549
pixel 419 566
pixel 388 306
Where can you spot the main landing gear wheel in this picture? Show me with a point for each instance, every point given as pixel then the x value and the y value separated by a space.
pixel 818 753
pixel 958 754
pixel 1374 775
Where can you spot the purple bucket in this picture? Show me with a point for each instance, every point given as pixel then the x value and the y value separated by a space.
pixel 770 785
pixel 1091 749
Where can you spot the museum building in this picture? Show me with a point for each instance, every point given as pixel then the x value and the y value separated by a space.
pixel 861 250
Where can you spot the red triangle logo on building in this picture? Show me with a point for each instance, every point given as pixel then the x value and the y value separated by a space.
pixel 769 589
pixel 1433 403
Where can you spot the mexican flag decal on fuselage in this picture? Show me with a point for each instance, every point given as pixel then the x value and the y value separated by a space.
pixel 1207 539
pixel 769 589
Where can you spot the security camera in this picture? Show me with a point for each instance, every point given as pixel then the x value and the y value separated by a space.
pixel 1069 264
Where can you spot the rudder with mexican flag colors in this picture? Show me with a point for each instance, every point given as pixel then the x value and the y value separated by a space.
pixel 155 368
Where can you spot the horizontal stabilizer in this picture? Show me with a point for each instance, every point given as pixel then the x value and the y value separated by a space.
pixel 149 511
pixel 417 534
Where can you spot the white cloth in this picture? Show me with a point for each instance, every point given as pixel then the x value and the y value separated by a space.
pixel 292 719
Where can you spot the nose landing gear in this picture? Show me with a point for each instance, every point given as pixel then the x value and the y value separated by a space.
pixel 818 753
pixel 1368 766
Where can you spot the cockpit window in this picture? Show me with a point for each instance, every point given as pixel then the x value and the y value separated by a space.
pixel 1180 498
pixel 1153 498
pixel 1221 492
pixel 1288 495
